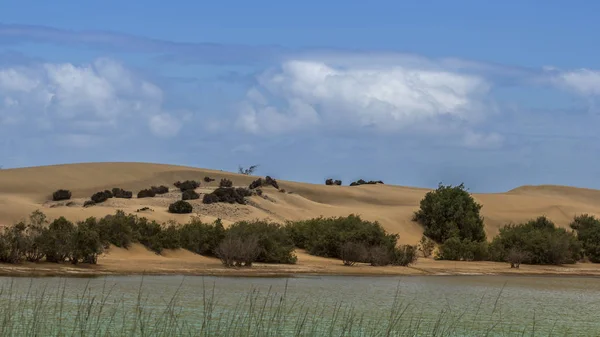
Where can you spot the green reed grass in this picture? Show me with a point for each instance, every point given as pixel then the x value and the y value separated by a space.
pixel 59 312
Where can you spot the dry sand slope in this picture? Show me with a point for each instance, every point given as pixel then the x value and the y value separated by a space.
pixel 27 189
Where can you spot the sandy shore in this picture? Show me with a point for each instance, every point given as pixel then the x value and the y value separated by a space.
pixel 138 260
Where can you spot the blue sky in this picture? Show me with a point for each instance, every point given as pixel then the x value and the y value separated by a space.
pixel 492 94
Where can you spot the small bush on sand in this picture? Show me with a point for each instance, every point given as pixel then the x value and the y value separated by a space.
pixel 181 207
pixel 187 185
pixel 227 195
pixel 331 182
pixel 189 195
pixel 208 179
pixel 268 181
pixel 146 193
pixel 225 183
pixel 89 203
pixel 61 195
pixel 100 197
pixel 162 189
pixel 121 193
pixel 364 182
pixel 426 246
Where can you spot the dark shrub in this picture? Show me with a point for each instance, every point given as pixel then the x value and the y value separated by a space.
pixel 268 181
pixel 225 183
pixel 121 193
pixel 330 182
pixel 228 195
pixel 325 236
pixel 162 189
pixel 180 207
pixel 274 242
pixel 61 195
pixel 405 255
pixel 147 193
pixel 100 197
pixel 247 171
pixel 189 195
pixel 187 185
pixel 89 203
pixel 363 182
pixel 380 256
pixel 108 194
pixel 450 211
pixel 256 183
pixel 540 240
pixel 149 234
pixel 238 251
pixel 208 179
pixel 201 238
pixel 145 208
pixel 587 228
pixel 272 182
pixel 352 252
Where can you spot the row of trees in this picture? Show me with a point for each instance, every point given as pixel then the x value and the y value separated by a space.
pixel 350 239
pixel 451 218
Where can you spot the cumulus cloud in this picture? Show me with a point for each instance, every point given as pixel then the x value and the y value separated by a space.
pixel 90 98
pixel 387 97
pixel 585 82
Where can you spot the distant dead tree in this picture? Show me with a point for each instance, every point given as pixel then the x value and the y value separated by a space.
pixel 247 171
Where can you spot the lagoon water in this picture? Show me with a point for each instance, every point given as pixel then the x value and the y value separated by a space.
pixel 311 306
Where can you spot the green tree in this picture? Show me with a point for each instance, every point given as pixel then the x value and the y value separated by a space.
pixel 274 242
pixel 587 228
pixel 57 239
pixel 85 245
pixel 450 211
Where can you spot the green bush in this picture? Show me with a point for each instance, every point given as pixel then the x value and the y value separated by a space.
pixel 208 179
pixel 330 182
pixel 117 229
pixel 57 239
pixel 189 195
pixel 450 211
pixel 540 240
pixel 146 193
pixel 325 236
pixel 268 181
pixel 275 244
pixel 181 207
pixel 61 195
pixel 463 250
pixel 364 182
pixel 201 238
pixel 587 228
pixel 85 245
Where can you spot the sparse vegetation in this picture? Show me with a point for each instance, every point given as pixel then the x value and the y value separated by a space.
pixel 229 195
pixel 145 208
pixel 60 195
pixel 100 197
pixel 225 183
pixel 353 252
pixel 189 195
pixel 187 185
pixel 162 189
pixel 364 182
pixel 463 250
pixel 146 193
pixel 181 207
pixel 426 246
pixel 260 182
pixel 208 179
pixel 330 182
pixel 121 193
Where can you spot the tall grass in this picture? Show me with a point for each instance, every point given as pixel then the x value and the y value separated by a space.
pixel 104 312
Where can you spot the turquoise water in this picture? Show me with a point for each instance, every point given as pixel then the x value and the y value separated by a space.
pixel 305 306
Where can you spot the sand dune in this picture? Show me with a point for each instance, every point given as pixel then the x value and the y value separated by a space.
pixel 27 189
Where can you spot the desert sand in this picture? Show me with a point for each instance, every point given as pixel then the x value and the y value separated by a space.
pixel 25 190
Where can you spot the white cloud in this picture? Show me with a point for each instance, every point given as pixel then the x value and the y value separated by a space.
pixel 482 140
pixel 164 125
pixel 386 97
pixel 82 98
pixel 585 82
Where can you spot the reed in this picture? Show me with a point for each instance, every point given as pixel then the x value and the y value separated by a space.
pixel 58 311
